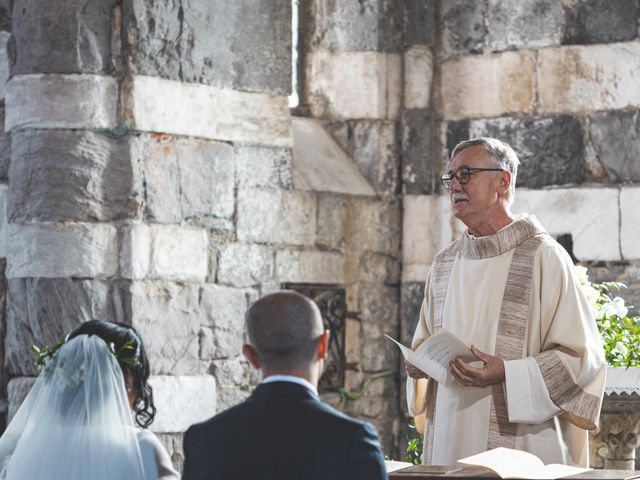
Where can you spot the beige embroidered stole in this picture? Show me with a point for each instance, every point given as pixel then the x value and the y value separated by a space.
pixel 525 236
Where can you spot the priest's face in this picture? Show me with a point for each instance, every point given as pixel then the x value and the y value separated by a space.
pixel 476 200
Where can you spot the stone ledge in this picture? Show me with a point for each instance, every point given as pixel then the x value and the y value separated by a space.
pixel 587 78
pixel 590 215
pixel 62 250
pixel 209 112
pixel 630 223
pixel 182 401
pixel 61 101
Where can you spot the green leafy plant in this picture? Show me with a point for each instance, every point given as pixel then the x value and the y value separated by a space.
pixel 620 332
pixel 414 445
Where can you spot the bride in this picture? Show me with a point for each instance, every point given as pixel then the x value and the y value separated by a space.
pixel 76 422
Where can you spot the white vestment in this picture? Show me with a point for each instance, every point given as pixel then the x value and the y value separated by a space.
pixel 513 294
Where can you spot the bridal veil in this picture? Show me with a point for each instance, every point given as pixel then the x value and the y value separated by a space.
pixel 75 423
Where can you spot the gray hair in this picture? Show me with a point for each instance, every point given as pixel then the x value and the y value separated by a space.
pixel 283 328
pixel 501 156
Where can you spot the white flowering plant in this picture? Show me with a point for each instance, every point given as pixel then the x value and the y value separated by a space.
pixel 619 331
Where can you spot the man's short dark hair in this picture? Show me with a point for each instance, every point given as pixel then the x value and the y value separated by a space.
pixel 283 328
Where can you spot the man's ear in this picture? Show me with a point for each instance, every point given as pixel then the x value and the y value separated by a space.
pixel 322 347
pixel 505 181
pixel 250 354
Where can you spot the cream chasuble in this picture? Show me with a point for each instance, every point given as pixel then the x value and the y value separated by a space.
pixel 513 294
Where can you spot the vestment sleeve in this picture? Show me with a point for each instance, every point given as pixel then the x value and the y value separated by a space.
pixel 570 360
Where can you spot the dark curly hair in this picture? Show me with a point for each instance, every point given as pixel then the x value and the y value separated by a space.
pixel 133 362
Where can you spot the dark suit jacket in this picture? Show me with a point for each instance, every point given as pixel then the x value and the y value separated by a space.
pixel 283 431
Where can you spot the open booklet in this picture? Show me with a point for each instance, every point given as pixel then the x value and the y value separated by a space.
pixel 509 463
pixel 434 355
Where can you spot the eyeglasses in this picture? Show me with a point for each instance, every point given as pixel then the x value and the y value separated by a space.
pixel 463 175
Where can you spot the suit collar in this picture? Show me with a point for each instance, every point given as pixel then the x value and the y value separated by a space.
pixel 284 389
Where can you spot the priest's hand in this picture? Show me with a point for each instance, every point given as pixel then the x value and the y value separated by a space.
pixel 413 371
pixel 491 373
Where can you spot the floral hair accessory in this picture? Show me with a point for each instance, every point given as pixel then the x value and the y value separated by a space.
pixel 44 353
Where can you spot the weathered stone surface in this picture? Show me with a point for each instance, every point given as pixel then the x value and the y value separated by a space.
pixel 258 166
pixel 42 311
pixel 5 15
pixel 373 146
pixel 461 27
pixel 167 315
pixel 380 269
pixel 5 148
pixel 245 265
pixel 245 45
pixel 182 401
pixel 62 250
pixel 508 84
pixel 596 77
pixel 419 161
pixel 456 132
pixel 630 223
pixel 4 226
pixel 59 175
pixel 344 25
pixel 4 60
pixel 372 88
pixel 172 443
pixel 276 216
pixel 627 272
pixel 223 308
pixel 419 22
pixel 188 181
pixel 320 165
pixel 17 391
pixel 421 225
pixel 166 252
pixel 208 112
pixel 379 308
pixel 590 215
pixel 332 216
pixel 411 297
pixel 615 137
pixel 517 24
pixel 298 266
pixel 70 36
pixel 51 101
pixel 234 377
pixel 551 150
pixel 374 225
pixel 600 21
pixel 418 74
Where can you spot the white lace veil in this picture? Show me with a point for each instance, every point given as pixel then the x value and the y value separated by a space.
pixel 75 424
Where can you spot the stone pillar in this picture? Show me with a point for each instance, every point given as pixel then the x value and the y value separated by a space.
pixel 614 445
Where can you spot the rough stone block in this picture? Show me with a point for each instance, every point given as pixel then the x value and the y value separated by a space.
pixel 4 226
pixel 17 391
pixel 379 307
pixel 223 308
pixel 135 251
pixel 600 21
pixel 297 266
pixel 419 22
pixel 245 44
pixel 187 181
pixel 245 265
pixel 517 24
pixel 421 225
pixel 630 223
pixel 4 61
pixel 551 150
pixel 51 101
pixel 596 77
pixel 418 74
pixel 354 84
pixel 59 175
pixel 172 443
pixel 70 36
pixel 167 315
pixel 332 216
pixel 234 378
pixel 590 215
pixel 182 401
pixel 344 25
pixel 615 136
pixel 380 269
pixel 41 311
pixel 419 161
pixel 5 148
pixel 508 84
pixel 411 297
pixel 374 226
pixel 208 112
pixel 258 166
pixel 461 26
pixel 62 250
pixel 178 253
pixel 276 216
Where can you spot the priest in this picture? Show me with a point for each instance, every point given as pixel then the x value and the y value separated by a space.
pixel 510 291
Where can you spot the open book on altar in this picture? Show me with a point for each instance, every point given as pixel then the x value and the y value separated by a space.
pixel 508 463
pixel 434 355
